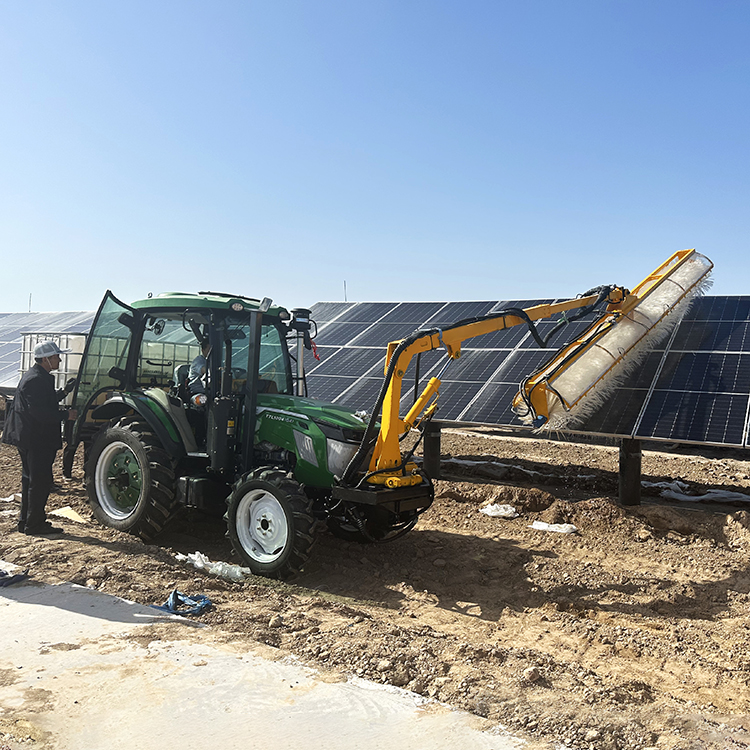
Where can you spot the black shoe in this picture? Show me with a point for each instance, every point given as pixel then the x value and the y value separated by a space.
pixel 46 529
pixel 21 527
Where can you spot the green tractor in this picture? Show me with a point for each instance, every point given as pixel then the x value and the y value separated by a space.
pixel 249 442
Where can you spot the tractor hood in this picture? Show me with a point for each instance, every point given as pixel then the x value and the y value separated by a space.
pixel 313 410
pixel 322 436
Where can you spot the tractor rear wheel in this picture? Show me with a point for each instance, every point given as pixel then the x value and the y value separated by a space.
pixel 130 479
pixel 270 522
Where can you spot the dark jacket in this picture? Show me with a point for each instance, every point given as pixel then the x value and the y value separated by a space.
pixel 34 419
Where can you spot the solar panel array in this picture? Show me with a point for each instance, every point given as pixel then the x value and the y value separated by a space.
pixel 693 388
pixel 13 326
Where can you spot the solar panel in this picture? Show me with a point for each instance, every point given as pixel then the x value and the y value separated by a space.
pixel 338 333
pixel 492 405
pixel 454 396
pixel 414 313
pixel 570 332
pixel 454 312
pixel 328 388
pixel 618 415
pixel 322 312
pixel 344 361
pixel 717 418
pixel 362 395
pixel 475 365
pixel 381 334
pixel 368 312
pixel 507 339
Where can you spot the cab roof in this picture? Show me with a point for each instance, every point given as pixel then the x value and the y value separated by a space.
pixel 205 301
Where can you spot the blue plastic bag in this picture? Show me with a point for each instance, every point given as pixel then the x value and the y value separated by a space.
pixel 182 604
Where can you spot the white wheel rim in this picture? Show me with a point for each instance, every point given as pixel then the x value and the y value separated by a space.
pixel 262 528
pixel 110 498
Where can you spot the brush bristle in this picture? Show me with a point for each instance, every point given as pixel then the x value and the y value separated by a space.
pixel 602 390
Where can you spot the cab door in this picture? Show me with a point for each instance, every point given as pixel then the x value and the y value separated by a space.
pixel 104 364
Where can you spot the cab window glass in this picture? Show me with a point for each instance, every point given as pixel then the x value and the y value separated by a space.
pixel 107 351
pixel 165 346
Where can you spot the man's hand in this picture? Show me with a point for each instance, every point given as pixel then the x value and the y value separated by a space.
pixel 70 385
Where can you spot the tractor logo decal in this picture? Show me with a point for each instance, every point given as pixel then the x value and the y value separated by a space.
pixel 262 409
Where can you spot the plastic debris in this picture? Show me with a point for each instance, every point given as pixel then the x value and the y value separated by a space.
pixel 499 511
pixel 682 491
pixel 67 512
pixel 180 604
pixel 225 570
pixel 560 528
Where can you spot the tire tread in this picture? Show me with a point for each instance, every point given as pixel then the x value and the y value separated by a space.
pixel 161 474
pixel 304 522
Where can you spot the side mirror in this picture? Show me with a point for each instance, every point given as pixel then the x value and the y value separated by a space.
pixel 127 320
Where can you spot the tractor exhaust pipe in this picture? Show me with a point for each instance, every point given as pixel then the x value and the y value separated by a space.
pixel 301 324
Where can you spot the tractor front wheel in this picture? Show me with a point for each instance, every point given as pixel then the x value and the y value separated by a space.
pixel 130 479
pixel 270 523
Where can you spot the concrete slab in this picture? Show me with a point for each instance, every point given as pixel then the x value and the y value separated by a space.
pixel 81 669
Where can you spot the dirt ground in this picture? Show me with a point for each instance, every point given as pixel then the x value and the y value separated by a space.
pixel 631 633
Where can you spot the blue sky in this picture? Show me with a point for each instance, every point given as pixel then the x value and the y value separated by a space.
pixel 414 150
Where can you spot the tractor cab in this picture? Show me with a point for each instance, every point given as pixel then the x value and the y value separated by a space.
pixel 178 356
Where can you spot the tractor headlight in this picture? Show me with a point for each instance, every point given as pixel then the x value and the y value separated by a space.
pixel 339 455
pixel 305 448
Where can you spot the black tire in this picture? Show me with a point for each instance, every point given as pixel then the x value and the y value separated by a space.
pixel 270 523
pixel 130 479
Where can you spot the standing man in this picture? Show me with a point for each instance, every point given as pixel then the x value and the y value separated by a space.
pixel 33 426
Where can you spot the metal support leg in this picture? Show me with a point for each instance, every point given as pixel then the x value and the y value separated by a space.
pixel 630 472
pixel 431 450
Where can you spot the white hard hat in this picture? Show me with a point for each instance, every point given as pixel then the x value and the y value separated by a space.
pixel 48 349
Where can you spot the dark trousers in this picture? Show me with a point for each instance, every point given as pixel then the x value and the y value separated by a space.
pixel 36 483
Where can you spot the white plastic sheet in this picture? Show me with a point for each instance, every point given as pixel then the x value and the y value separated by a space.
pixel 225 570
pixel 497 510
pixel 681 491
pixel 560 528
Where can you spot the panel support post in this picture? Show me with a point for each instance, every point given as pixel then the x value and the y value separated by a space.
pixel 431 450
pixel 630 472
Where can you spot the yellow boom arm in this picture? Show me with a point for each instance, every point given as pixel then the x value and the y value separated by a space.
pixel 387 454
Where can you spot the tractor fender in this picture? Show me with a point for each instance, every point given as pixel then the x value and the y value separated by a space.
pixel 157 417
